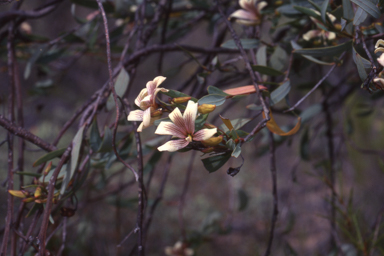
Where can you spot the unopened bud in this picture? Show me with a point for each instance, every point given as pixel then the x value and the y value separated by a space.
pixel 28 200
pixel 41 201
pixel 180 100
pixel 18 193
pixel 48 168
pixel 212 141
pixel 157 112
pixel 38 192
pixel 208 150
pixel 206 108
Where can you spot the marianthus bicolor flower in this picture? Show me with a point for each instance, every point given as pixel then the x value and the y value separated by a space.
pixel 182 127
pixel 250 15
pixel 179 249
pixel 146 100
pixel 320 33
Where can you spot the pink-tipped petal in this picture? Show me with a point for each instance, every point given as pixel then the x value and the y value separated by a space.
pixel 151 86
pixel 249 5
pixel 190 116
pixel 158 80
pixel 147 117
pixel 168 128
pixel 204 134
pixel 178 120
pixel 173 145
pixel 140 97
pixel 146 102
pixel 261 5
pixel 135 115
pixel 311 34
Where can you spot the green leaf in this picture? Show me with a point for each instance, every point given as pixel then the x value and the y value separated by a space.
pixel 214 163
pixel 32 174
pixel 310 112
pixel 95 139
pixel 237 151
pixel 200 121
pixel 121 86
pixel 215 90
pixel 347 10
pixel 247 43
pixel 75 153
pixel 267 70
pixel 165 119
pixel 243 200
pixel 297 47
pixel 308 12
pixel 279 59
pixel 177 94
pixel 360 16
pixel 49 156
pixel 236 123
pixel 280 93
pixel 213 99
pixel 324 7
pixel 325 51
pixel 106 144
pixel 261 55
pixel 360 65
pixel 369 7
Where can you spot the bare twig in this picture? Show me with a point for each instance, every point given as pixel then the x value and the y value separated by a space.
pixel 275 212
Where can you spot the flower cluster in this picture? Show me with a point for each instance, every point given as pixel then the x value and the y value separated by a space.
pixel 250 14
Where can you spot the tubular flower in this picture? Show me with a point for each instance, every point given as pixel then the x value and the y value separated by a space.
pixel 250 15
pixel 146 101
pixel 183 127
pixel 320 32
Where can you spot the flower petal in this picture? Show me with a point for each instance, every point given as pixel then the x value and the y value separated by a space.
pixel 178 120
pixel 141 127
pixel 381 59
pixel 204 134
pixel 158 80
pixel 173 145
pixel 141 96
pixel 261 5
pixel 147 117
pixel 168 128
pixel 249 5
pixel 311 34
pixel 244 15
pixel 135 115
pixel 146 102
pixel 190 116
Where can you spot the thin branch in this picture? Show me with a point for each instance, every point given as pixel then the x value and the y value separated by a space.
pixel 23 133
pixel 275 212
pixel 315 87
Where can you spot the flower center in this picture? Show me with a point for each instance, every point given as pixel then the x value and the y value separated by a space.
pixel 189 138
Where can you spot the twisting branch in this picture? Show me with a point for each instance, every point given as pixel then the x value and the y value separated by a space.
pixel 23 133
pixel 275 212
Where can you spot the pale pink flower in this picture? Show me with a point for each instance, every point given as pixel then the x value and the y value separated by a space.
pixel 183 127
pixel 381 59
pixel 179 249
pixel 250 15
pixel 146 100
pixel 320 32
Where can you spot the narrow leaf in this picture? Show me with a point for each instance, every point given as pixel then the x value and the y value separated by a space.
pixel 121 86
pixel 227 123
pixel 280 93
pixel 347 10
pixel 324 7
pixel 215 90
pixel 247 43
pixel 369 7
pixel 273 127
pixel 267 70
pixel 214 99
pixel 49 156
pixel 106 144
pixel 297 47
pixel 360 16
pixel 360 65
pixel 325 51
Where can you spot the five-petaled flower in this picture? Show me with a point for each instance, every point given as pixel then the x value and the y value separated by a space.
pixel 146 100
pixel 250 15
pixel 183 127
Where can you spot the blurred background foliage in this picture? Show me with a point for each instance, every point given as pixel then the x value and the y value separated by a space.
pixel 61 63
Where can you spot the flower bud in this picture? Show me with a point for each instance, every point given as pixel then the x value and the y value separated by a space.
pixel 157 112
pixel 41 201
pixel 38 192
pixel 209 126
pixel 180 100
pixel 212 141
pixel 206 108
pixel 28 200
pixel 18 193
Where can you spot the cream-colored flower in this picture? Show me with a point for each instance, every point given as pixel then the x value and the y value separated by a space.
pixel 320 32
pixel 179 249
pixel 381 59
pixel 146 101
pixel 250 15
pixel 183 127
